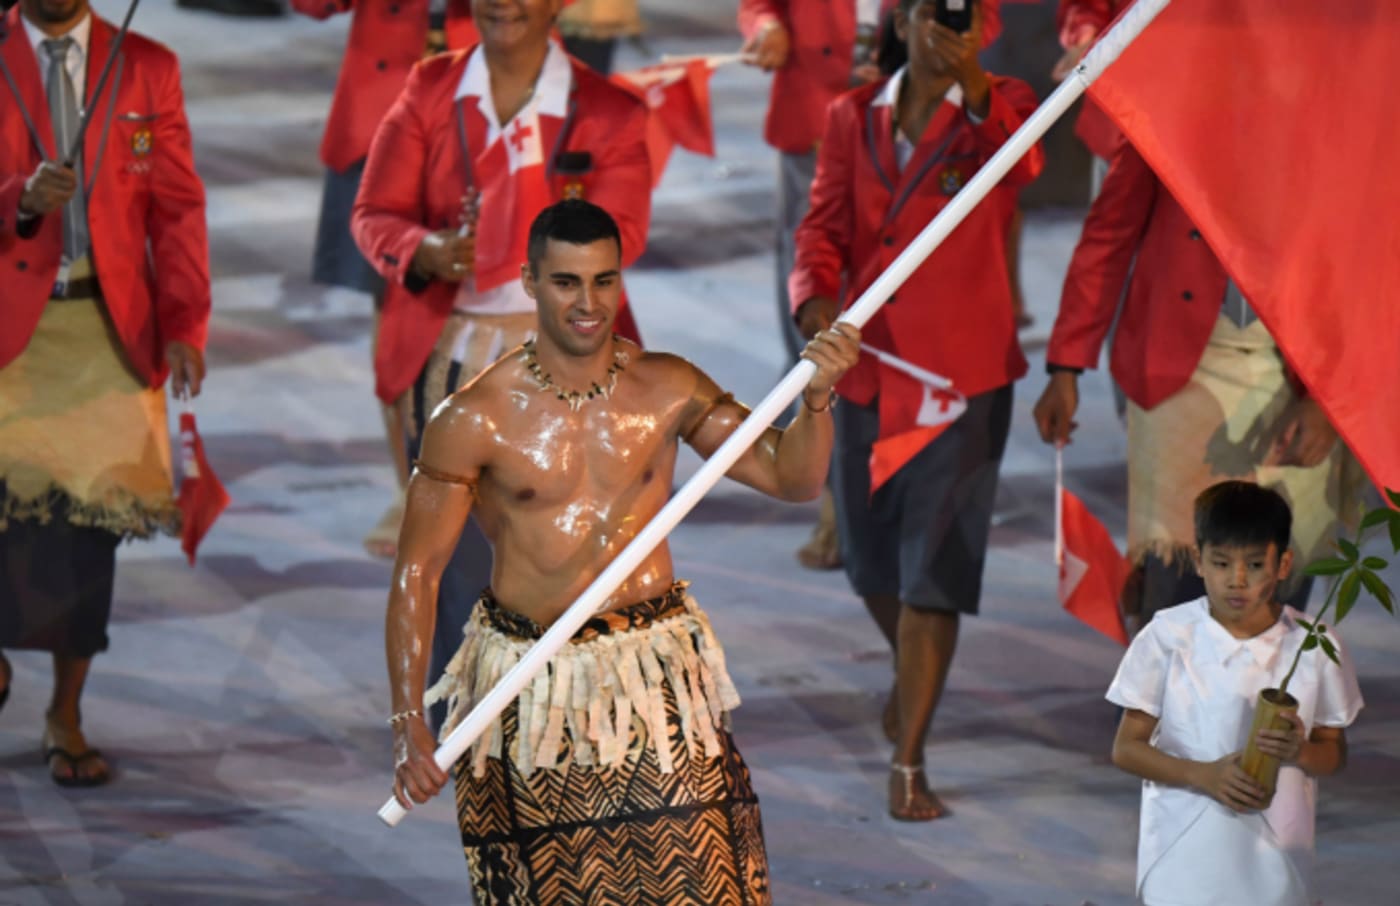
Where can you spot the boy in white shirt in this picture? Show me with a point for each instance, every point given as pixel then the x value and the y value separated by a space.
pixel 1188 684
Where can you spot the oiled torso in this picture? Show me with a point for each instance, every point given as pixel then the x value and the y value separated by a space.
pixel 561 493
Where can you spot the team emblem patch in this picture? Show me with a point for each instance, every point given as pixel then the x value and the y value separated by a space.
pixel 141 141
pixel 951 181
pixel 573 190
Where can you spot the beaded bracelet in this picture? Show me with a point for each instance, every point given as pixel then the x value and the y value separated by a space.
pixel 830 401
pixel 402 716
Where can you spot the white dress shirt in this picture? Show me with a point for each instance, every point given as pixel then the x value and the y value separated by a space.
pixel 1201 683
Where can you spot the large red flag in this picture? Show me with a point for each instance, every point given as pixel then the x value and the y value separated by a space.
pixel 1092 571
pixel 1274 124
pixel 678 98
pixel 202 495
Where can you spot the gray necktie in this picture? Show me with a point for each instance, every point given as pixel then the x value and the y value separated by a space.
pixel 63 111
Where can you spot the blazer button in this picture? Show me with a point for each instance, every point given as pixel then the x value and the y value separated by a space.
pixel 330 9
pixel 1194 234
pixel 381 66
pixel 826 51
pixel 1187 295
pixel 889 240
pixel 22 265
pixel 393 9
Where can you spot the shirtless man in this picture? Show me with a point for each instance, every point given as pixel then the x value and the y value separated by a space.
pixel 565 449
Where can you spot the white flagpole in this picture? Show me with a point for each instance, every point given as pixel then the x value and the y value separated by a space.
pixel 714 60
pixel 780 397
pixel 1059 505
pixel 922 375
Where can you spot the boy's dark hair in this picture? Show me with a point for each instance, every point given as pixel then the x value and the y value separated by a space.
pixel 572 220
pixel 1242 513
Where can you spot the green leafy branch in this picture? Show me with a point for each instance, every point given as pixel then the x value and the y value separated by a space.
pixel 1351 574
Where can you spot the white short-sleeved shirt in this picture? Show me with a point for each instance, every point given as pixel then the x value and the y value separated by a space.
pixel 1201 683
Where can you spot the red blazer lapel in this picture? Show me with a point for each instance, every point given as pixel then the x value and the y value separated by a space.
pixel 880 142
pixel 95 138
pixel 24 67
pixel 945 119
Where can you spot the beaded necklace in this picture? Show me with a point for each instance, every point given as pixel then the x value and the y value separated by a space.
pixel 575 398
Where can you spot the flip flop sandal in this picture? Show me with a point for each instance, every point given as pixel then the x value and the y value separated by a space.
pixel 75 779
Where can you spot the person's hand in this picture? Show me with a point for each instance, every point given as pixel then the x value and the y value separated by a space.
pixel 417 777
pixel 445 256
pixel 815 315
pixel 1227 783
pixel 1305 437
pixel 1054 411
pixel 959 54
pixel 835 351
pixel 866 73
pixel 1285 745
pixel 768 48
pixel 186 369
pixel 1065 65
pixel 49 189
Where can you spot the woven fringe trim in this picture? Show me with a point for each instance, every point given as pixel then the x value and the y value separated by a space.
pixel 591 690
pixel 122 515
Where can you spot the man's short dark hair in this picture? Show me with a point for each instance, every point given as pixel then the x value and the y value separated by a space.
pixel 572 220
pixel 1239 513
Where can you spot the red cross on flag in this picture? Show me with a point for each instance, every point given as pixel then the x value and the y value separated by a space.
pixel 522 138
pixel 916 406
pixel 1092 571
pixel 514 188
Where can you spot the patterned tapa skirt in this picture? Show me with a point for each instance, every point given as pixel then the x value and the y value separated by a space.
pixel 84 463
pixel 1220 426
pixel 613 778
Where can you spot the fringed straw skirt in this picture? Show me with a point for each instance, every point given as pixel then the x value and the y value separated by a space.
pixel 613 778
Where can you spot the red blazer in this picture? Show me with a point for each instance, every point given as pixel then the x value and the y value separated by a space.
pixel 150 247
pixel 817 70
pixel 1077 20
pixel 386 40
pixel 954 314
pixel 415 180
pixel 1174 297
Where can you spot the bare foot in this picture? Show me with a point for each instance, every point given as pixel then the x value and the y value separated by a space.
pixel 889 720
pixel 70 760
pixel 910 797
pixel 823 549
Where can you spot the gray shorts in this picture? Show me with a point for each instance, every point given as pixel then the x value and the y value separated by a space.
pixel 923 535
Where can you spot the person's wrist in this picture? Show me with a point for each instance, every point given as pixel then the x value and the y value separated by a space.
pixel 828 399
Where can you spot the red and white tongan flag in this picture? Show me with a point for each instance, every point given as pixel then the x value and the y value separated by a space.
pixel 677 96
pixel 1092 571
pixel 202 495
pixel 1274 124
pixel 928 405
pixel 514 188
